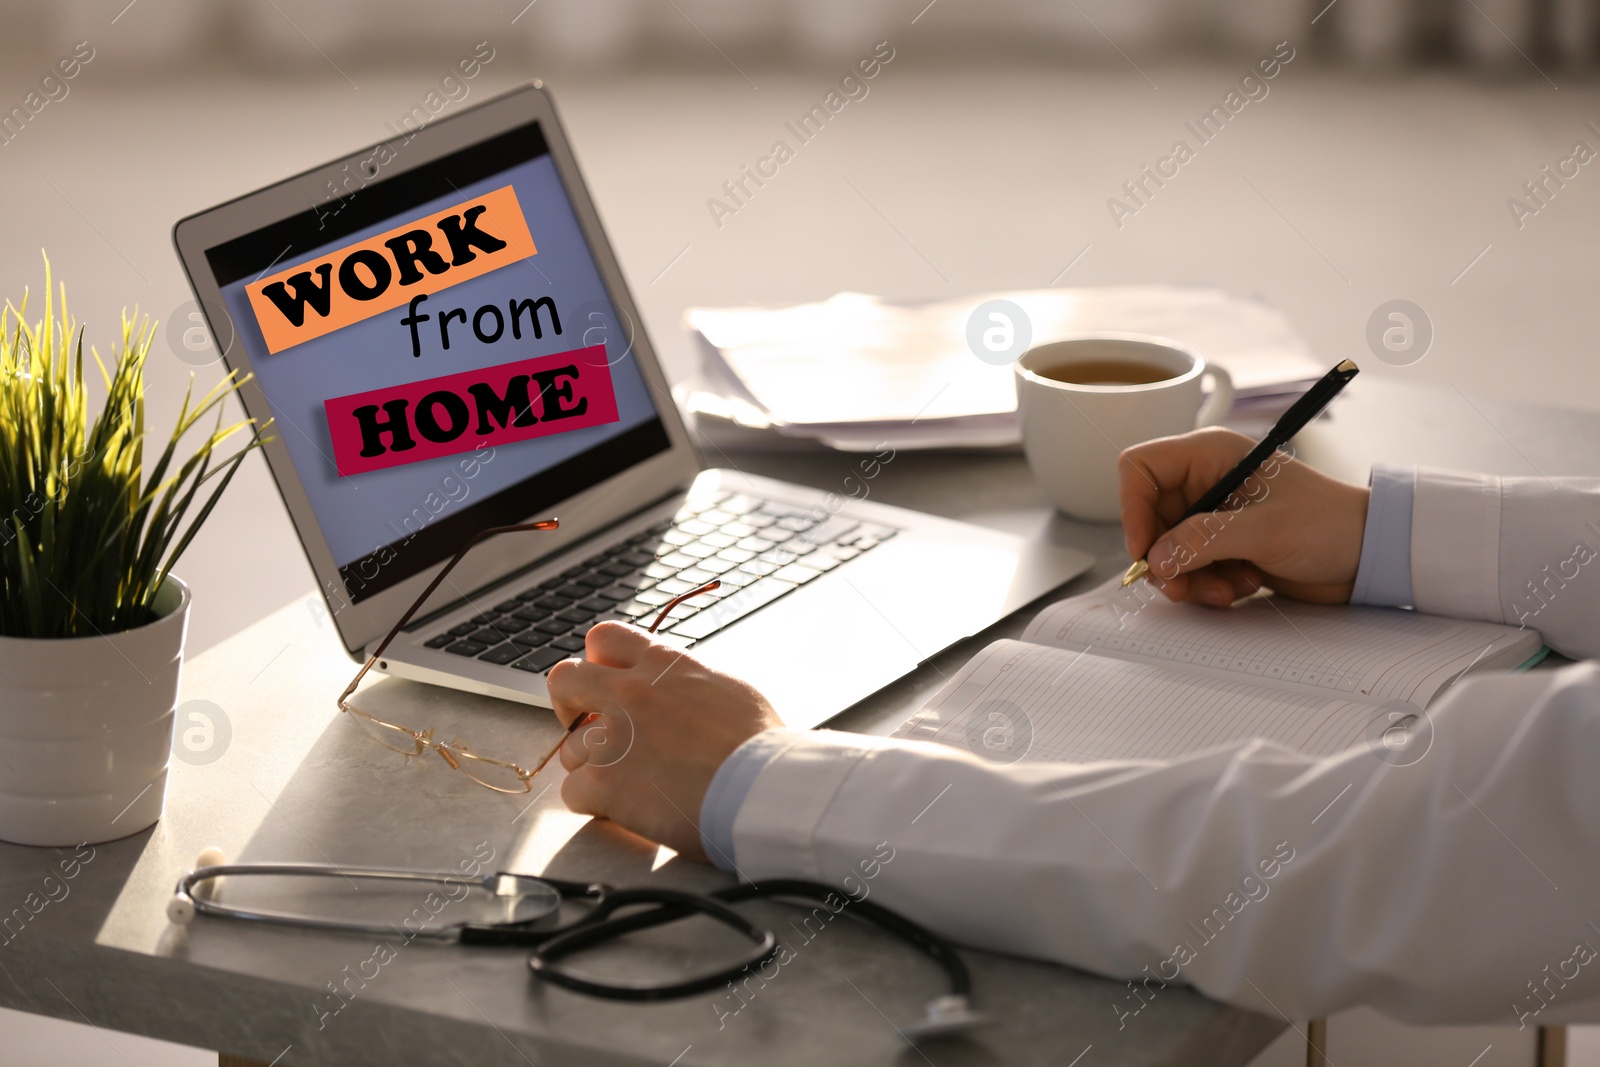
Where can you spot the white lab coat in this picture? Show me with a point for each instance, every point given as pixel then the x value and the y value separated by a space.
pixel 1464 887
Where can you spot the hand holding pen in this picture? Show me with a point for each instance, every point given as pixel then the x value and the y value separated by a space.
pixel 1298 531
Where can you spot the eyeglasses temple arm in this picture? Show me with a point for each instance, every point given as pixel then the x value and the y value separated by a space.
pixel 482 535
pixel 680 598
pixel 573 726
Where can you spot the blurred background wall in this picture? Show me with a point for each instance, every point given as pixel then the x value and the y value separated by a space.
pixel 269 34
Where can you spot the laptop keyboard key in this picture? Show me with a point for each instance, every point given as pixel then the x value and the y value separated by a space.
pixel 483 617
pixel 508 605
pixel 740 504
pixel 573 591
pixel 463 629
pixel 440 641
pixel 597 603
pixel 573 616
pixel 466 648
pixel 532 613
pixel 616 594
pixel 619 570
pixel 540 661
pixel 733 608
pixel 659 570
pixel 502 654
pixel 570 643
pixel 796 573
pixel 637 559
pixel 530 640
pixel 836 527
pixel 554 602
pixel 553 627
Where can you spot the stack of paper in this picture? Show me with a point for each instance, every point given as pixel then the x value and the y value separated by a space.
pixel 855 372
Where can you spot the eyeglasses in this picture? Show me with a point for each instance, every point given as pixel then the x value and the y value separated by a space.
pixel 502 776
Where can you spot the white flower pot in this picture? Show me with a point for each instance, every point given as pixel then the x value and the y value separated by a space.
pixel 86 728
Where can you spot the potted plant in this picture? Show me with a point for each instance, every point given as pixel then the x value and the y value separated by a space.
pixel 92 619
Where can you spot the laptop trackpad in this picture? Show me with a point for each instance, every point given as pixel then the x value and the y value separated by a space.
pixel 813 655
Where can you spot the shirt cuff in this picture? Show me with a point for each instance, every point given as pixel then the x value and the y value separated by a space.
pixel 728 789
pixel 1383 577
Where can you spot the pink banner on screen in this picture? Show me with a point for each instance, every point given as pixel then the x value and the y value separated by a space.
pixel 463 412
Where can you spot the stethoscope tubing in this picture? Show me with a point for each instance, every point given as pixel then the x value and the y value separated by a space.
pixel 551 944
pixel 601 926
pixel 670 905
pixel 204 905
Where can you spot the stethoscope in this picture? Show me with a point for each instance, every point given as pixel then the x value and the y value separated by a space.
pixel 529 904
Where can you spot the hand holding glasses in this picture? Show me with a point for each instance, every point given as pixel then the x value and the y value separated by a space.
pixel 502 776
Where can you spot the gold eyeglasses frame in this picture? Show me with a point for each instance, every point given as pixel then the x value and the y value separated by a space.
pixel 457 753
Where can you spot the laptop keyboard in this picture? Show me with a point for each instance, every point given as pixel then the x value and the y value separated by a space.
pixel 760 550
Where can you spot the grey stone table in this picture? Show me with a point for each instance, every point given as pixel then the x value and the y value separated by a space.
pixel 294 781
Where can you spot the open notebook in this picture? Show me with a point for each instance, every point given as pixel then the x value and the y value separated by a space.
pixel 1124 674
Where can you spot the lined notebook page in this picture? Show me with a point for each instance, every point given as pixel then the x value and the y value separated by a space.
pixel 1019 701
pixel 1383 653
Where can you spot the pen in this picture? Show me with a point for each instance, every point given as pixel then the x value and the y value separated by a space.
pixel 572 728
pixel 1293 421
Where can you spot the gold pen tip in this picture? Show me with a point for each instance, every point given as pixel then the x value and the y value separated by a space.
pixel 1347 365
pixel 1139 569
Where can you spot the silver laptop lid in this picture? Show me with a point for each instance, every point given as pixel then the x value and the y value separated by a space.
pixel 443 337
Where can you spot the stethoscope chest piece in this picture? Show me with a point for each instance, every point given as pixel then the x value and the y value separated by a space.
pixel 949 1014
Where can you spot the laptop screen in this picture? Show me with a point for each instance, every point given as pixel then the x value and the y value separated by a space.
pixel 440 354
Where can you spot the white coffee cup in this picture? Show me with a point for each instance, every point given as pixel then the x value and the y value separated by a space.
pixel 1073 432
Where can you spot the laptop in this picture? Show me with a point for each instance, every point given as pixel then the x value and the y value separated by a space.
pixel 439 330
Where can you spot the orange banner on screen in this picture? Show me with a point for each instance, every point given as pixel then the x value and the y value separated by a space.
pixel 380 273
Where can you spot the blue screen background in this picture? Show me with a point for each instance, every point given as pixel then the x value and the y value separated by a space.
pixel 365 512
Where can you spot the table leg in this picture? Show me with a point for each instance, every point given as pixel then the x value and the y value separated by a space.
pixel 1317 1043
pixel 1552 1046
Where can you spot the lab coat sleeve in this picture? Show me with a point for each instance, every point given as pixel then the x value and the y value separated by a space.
pixel 1456 888
pixel 1453 882
pixel 1383 576
pixel 1522 551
